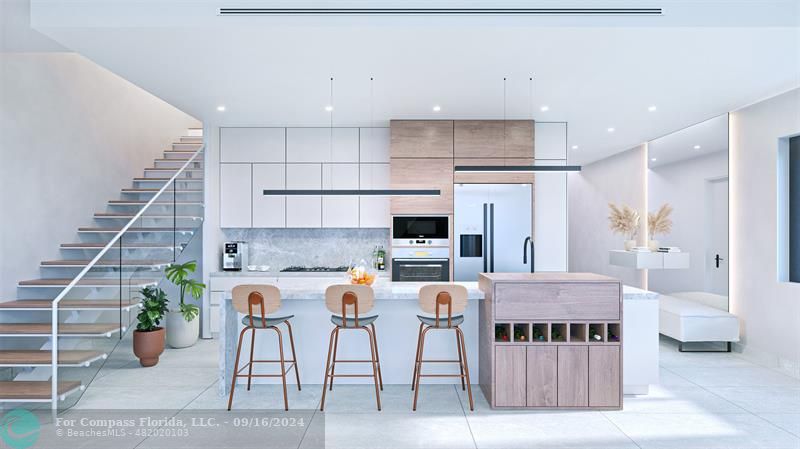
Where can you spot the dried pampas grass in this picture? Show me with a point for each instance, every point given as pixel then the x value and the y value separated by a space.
pixel 624 220
pixel 660 223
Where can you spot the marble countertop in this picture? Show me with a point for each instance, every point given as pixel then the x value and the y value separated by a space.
pixel 637 294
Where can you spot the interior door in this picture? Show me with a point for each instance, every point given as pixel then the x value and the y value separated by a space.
pixel 716 260
pixel 512 225
pixel 469 202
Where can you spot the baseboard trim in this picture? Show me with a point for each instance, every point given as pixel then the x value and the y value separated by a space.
pixel 768 360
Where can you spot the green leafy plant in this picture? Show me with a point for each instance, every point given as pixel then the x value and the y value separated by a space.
pixel 154 306
pixel 178 274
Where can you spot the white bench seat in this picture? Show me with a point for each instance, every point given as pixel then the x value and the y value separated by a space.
pixel 687 317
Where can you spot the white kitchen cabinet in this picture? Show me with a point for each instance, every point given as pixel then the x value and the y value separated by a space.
pixel 252 144
pixel 550 217
pixel 303 211
pixel 375 145
pixel 340 211
pixel 550 140
pixel 235 195
pixel 269 211
pixel 374 211
pixel 315 145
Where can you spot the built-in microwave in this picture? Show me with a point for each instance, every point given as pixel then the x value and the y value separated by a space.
pixel 416 230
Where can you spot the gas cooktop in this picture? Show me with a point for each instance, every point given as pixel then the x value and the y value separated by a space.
pixel 299 269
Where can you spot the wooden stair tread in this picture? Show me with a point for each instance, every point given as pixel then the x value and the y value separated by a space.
pixel 139 179
pixel 103 263
pixel 101 282
pixel 66 304
pixel 34 389
pixel 132 229
pixel 172 169
pixel 128 215
pixel 155 202
pixel 65 357
pixel 63 328
pixel 100 245
pixel 156 190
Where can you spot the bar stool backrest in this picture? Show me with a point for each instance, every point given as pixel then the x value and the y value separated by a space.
pixel 256 300
pixel 441 299
pixel 351 300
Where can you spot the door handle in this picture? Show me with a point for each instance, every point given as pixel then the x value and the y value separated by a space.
pixel 717 260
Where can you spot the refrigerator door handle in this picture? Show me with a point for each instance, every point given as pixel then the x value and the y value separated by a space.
pixel 485 240
pixel 491 237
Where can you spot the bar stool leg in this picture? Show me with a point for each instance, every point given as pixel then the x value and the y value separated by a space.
pixel 377 357
pixel 460 361
pixel 416 357
pixel 283 368
pixel 327 368
pixel 294 355
pixel 250 368
pixel 333 362
pixel 372 350
pixel 236 367
pixel 419 366
pixel 466 368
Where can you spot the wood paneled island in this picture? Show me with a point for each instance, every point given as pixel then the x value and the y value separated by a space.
pixel 551 340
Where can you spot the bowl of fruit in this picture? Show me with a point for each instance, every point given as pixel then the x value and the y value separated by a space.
pixel 360 275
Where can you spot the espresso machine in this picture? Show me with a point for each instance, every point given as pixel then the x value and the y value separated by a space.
pixel 234 256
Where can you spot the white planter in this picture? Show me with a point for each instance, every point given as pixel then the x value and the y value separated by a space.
pixel 629 244
pixel 181 333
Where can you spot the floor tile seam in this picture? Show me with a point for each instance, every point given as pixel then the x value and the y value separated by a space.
pixel 620 429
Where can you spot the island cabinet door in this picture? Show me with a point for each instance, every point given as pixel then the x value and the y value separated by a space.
pixel 542 380
pixel 573 376
pixel 509 370
pixel 604 376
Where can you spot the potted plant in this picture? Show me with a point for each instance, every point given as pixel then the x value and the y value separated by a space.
pixel 148 338
pixel 183 327
pixel 659 223
pixel 625 221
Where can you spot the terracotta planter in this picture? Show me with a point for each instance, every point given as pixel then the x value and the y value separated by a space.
pixel 148 346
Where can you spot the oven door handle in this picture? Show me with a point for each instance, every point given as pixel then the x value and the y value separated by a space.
pixel 425 265
pixel 420 260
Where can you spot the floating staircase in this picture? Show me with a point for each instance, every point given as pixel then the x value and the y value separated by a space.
pixel 94 286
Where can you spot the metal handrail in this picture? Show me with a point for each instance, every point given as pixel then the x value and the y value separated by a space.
pixel 89 266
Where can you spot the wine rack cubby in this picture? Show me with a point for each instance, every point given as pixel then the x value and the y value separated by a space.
pixel 597 332
pixel 577 332
pixel 593 333
pixel 522 332
pixel 540 333
pixel 502 332
pixel 558 332
pixel 613 333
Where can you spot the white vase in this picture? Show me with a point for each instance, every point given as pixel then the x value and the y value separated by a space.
pixel 181 333
pixel 653 245
pixel 629 244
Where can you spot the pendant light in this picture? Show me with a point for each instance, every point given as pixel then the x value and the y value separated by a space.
pixel 516 168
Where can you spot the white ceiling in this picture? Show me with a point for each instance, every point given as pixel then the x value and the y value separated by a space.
pixel 710 136
pixel 701 59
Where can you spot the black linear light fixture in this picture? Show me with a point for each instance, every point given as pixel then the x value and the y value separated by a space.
pixel 442 11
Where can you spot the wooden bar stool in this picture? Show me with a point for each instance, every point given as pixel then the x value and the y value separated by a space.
pixel 256 302
pixel 352 301
pixel 431 299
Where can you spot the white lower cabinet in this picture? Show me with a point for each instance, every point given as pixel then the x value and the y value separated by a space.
pixel 374 211
pixel 269 211
pixel 304 211
pixel 340 211
pixel 235 195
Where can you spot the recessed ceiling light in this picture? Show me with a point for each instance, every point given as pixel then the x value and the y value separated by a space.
pixel 545 108
pixel 651 108
pixel 653 159
pixel 697 147
pixel 437 108
pixel 574 147
pixel 611 130
pixel 221 108
pixel 329 108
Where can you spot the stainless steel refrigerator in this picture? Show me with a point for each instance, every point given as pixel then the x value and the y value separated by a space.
pixel 492 229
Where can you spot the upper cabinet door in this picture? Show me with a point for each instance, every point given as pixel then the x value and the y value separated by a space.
pixel 269 211
pixel 235 194
pixel 375 145
pixel 252 144
pixel 551 140
pixel 478 139
pixel 374 210
pixel 340 211
pixel 303 211
pixel 519 140
pixel 422 174
pixel 322 145
pixel 422 138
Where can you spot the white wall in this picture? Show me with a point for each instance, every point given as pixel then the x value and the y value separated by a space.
pixel 683 186
pixel 769 310
pixel 71 135
pixel 620 179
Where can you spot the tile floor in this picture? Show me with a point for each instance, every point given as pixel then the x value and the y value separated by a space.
pixel 704 401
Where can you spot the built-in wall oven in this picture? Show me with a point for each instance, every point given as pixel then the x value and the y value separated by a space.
pixel 420 248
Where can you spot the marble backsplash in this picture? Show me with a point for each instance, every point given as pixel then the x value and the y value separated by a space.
pixel 280 248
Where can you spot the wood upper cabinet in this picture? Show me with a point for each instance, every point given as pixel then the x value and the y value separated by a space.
pixel 422 174
pixel 493 139
pixel 422 138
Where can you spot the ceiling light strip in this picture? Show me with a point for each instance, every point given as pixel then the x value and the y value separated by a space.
pixel 442 11
pixel 516 168
pixel 361 192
